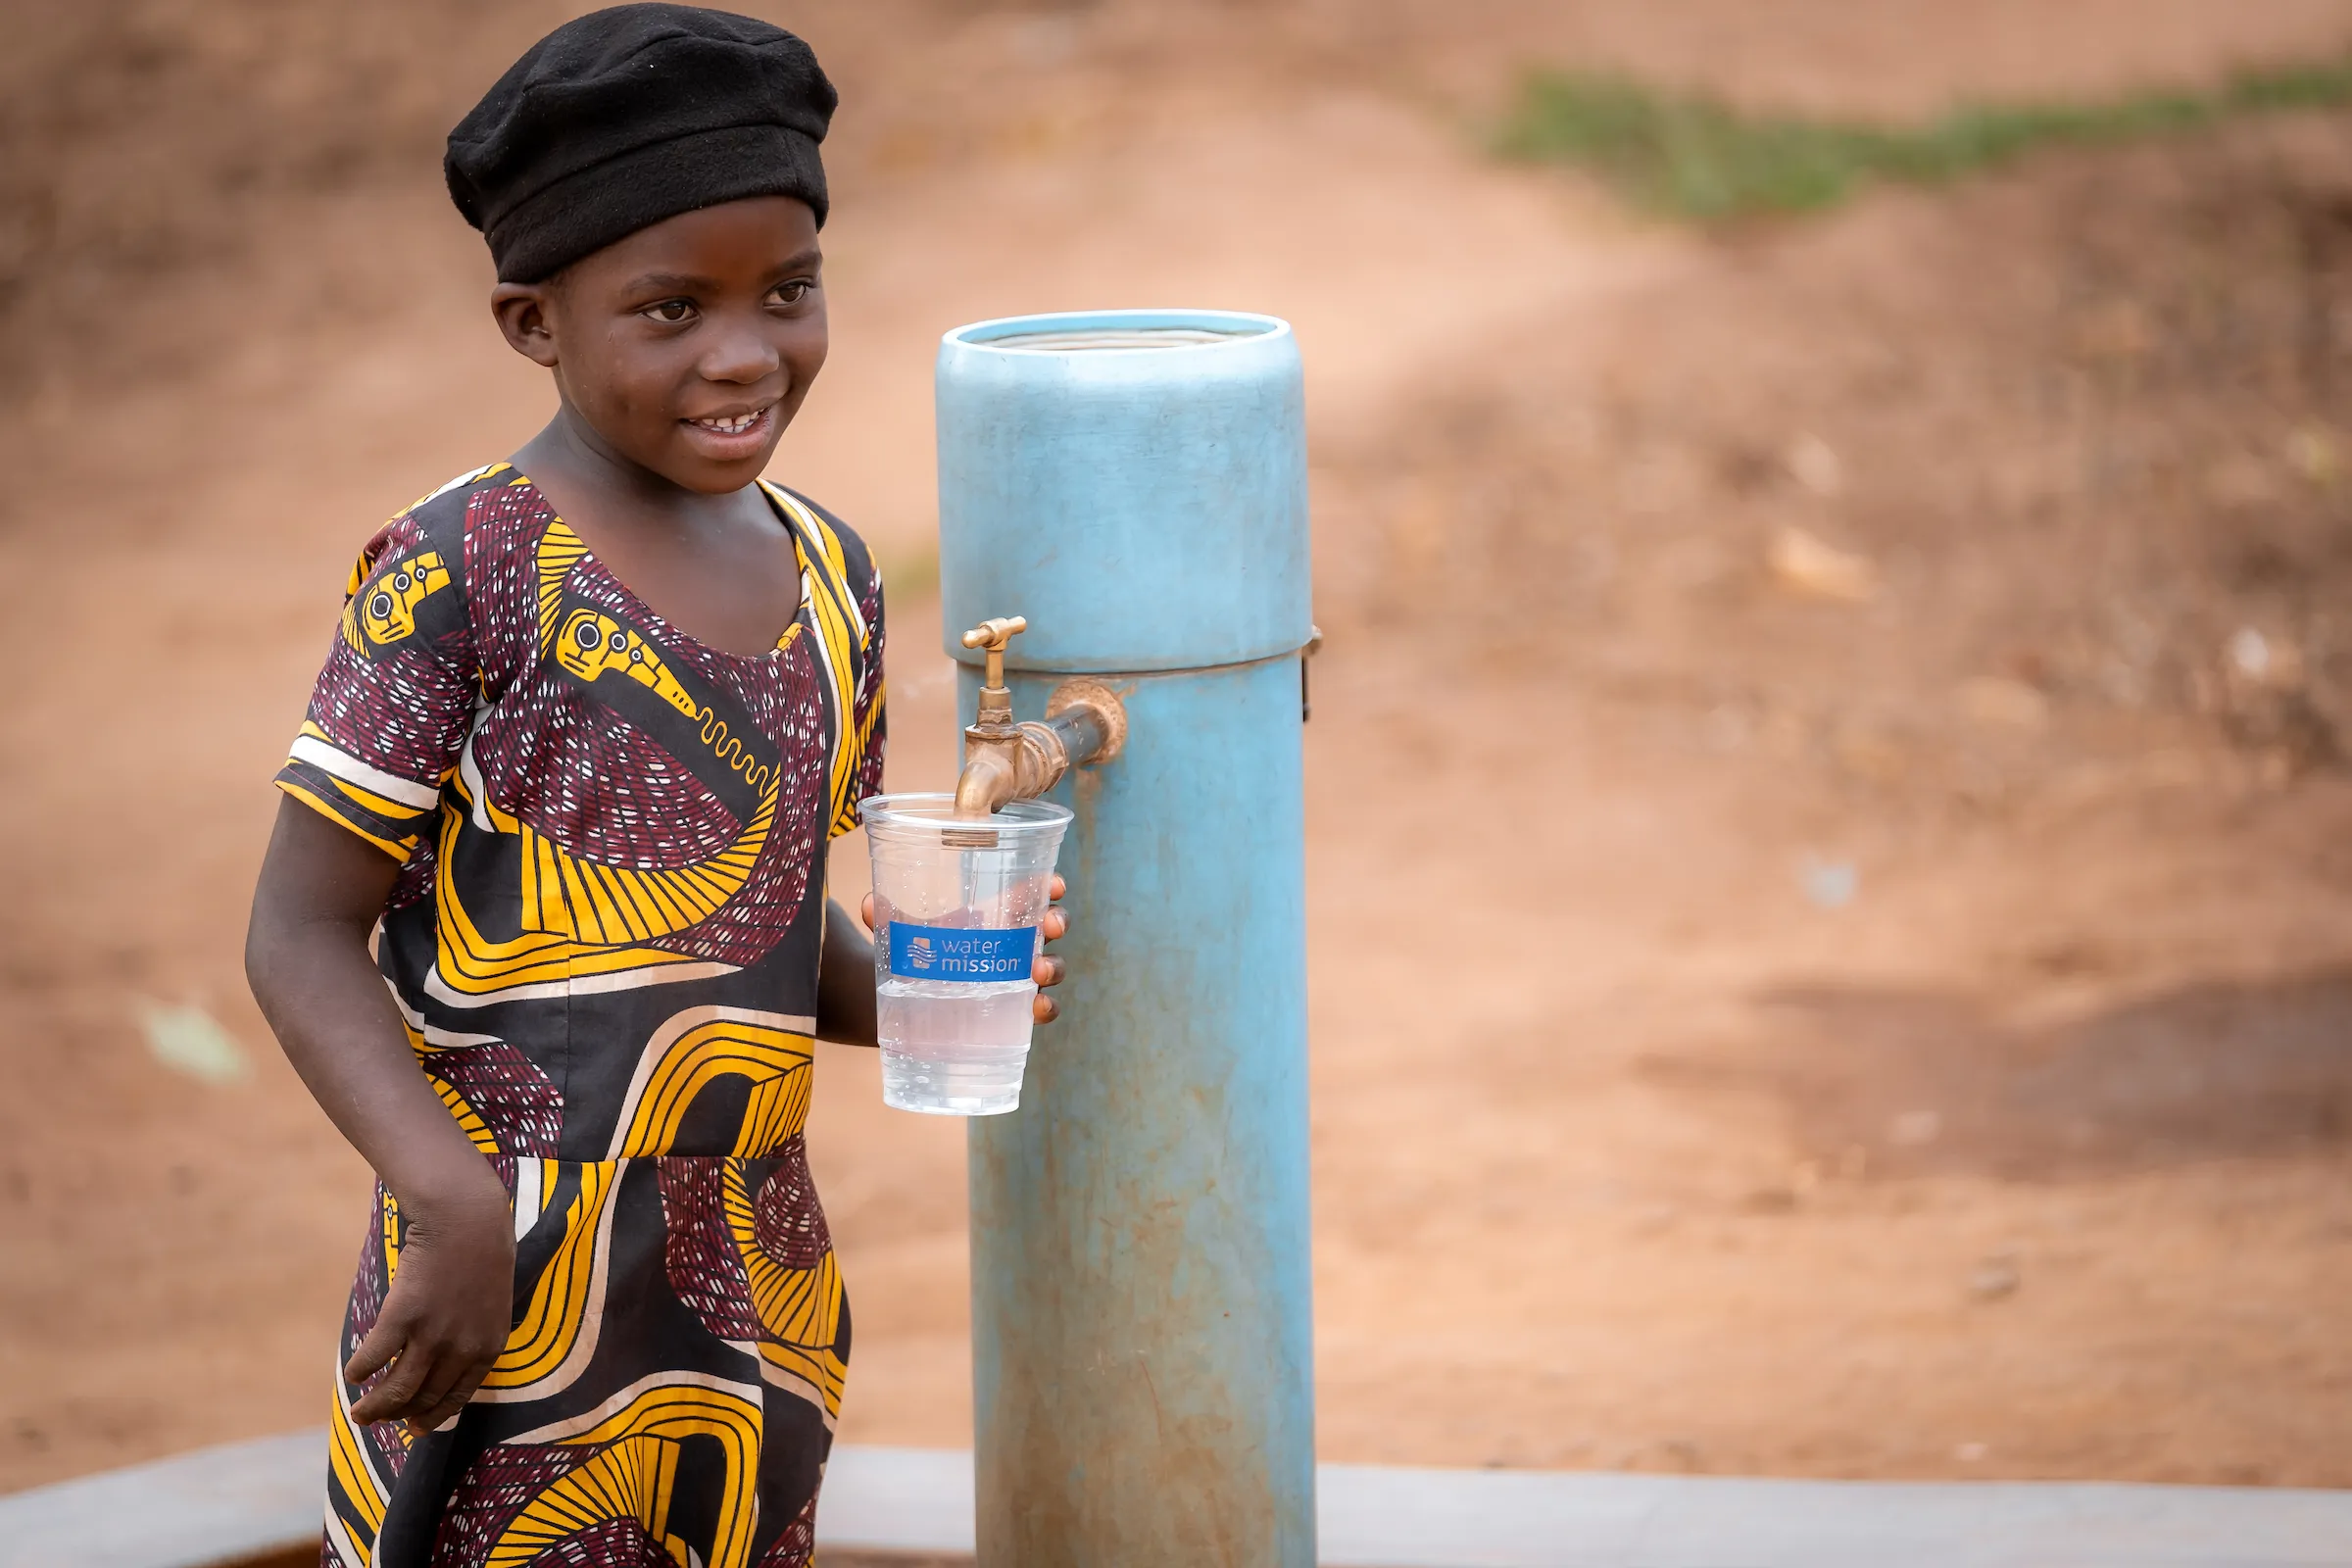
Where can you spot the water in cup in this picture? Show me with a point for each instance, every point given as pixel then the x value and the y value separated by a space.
pixel 957 907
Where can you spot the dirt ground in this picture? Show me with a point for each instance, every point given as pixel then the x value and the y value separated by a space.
pixel 1830 842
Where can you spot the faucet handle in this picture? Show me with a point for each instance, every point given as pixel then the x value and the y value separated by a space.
pixel 993 635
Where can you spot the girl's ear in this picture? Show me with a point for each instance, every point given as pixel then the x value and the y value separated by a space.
pixel 525 315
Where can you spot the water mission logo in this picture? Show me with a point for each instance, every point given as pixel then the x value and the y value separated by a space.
pixel 961 953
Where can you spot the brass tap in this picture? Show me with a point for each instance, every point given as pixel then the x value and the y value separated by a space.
pixel 996 702
pixel 1085 722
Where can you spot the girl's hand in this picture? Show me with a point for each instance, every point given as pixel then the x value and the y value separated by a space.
pixel 448 1312
pixel 1049 970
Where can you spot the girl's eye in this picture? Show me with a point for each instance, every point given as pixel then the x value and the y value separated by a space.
pixel 670 313
pixel 792 293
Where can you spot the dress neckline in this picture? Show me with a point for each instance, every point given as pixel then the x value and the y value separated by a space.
pixel 800 557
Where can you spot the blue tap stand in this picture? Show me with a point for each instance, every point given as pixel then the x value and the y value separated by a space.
pixel 1133 482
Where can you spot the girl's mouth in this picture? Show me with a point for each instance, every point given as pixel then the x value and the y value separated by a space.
pixel 732 435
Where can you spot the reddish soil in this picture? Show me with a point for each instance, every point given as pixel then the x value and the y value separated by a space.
pixel 1827 797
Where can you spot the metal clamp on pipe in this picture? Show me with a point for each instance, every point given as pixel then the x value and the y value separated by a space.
pixel 1085 722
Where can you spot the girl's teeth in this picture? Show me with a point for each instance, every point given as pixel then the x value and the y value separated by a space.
pixel 730 426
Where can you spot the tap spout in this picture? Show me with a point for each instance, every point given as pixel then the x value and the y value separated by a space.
pixel 990 778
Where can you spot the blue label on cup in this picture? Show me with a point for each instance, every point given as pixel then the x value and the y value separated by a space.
pixel 959 952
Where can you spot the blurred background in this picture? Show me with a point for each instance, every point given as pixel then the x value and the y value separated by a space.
pixel 1830 839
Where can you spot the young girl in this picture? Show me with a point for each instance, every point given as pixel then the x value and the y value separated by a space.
pixel 590 719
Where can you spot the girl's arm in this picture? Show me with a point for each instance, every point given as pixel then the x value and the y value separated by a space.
pixel 844 982
pixel 450 1304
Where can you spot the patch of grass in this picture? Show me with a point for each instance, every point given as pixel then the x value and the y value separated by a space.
pixel 1697 157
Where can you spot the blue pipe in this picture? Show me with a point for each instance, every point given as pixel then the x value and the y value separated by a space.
pixel 1142 1367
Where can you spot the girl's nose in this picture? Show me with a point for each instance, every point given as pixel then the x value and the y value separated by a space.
pixel 742 353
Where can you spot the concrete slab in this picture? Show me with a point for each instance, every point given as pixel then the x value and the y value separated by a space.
pixel 193 1510
pixel 1379 1517
pixel 219 1505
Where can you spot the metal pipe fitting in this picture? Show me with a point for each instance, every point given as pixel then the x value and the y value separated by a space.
pixel 1002 762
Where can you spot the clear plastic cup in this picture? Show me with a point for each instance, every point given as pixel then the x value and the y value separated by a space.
pixel 958 906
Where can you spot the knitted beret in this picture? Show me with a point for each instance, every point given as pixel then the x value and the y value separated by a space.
pixel 623 118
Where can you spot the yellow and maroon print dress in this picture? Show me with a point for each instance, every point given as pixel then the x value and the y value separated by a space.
pixel 605 940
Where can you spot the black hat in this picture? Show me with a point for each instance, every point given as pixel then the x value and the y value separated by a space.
pixel 623 118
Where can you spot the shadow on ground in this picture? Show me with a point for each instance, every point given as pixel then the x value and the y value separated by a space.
pixel 1926 1083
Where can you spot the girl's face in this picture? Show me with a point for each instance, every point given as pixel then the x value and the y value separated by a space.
pixel 687 347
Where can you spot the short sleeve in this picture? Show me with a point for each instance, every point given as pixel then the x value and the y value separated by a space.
pixel 390 712
pixel 844 590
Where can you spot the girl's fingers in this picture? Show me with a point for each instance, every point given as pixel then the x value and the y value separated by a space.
pixel 1049 971
pixel 473 1381
pixel 435 1403
pixel 450 1402
pixel 865 913
pixel 395 1396
pixel 374 1353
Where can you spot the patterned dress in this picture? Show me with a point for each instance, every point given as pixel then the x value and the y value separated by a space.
pixel 603 938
